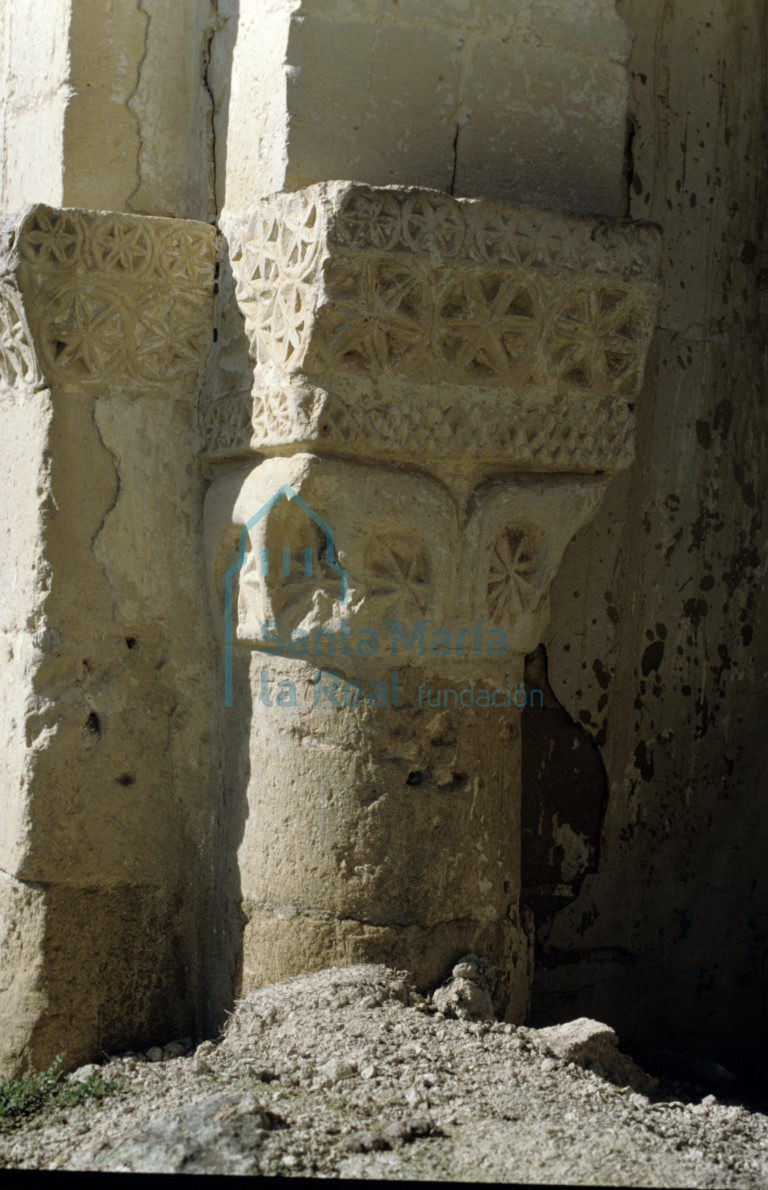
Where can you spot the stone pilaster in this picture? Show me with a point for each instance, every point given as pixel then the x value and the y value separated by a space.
pixel 105 326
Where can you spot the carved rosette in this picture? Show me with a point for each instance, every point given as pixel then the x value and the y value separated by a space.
pixel 90 298
pixel 400 323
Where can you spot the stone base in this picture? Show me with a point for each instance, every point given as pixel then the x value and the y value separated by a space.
pixel 86 971
pixel 276 947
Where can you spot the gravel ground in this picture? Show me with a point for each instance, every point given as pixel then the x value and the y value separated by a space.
pixel 350 1073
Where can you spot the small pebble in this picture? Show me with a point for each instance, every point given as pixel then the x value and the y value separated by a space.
pixel 335 1070
pixel 365 1142
pixel 155 1054
pixel 84 1072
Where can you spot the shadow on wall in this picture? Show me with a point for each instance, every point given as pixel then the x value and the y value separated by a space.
pixel 564 798
pixel 232 772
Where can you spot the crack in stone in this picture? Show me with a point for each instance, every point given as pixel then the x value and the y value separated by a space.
pixel 629 166
pixel 209 33
pixel 452 187
pixel 113 505
pixel 131 100
pixel 291 911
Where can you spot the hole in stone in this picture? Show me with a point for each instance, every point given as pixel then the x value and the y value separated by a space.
pixel 131 642
pixel 414 778
pixel 459 778
pixel 125 779
pixel 93 723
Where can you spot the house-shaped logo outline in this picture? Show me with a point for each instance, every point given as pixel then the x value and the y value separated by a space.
pixel 288 493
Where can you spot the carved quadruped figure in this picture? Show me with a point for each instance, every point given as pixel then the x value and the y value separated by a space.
pixel 448 384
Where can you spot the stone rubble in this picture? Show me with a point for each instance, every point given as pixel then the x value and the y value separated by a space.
pixel 351 1073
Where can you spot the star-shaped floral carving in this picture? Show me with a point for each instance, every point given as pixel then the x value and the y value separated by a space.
pixel 493 237
pixel 282 340
pixel 510 589
pixel 53 236
pixel 488 324
pixel 173 334
pixel 84 332
pixel 373 221
pixel 185 255
pixel 433 225
pixel 378 317
pixel 299 243
pixel 398 576
pixel 593 340
pixel 121 246
pixel 255 262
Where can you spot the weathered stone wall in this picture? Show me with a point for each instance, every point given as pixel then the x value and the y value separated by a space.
pixel 106 106
pixel 658 639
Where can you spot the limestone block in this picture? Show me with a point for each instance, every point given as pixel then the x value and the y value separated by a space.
pixel 523 333
pixel 114 100
pixel 248 76
pixel 89 970
pixel 588 27
pixel 22 991
pixel 391 105
pixel 461 95
pixel 541 126
pixel 35 73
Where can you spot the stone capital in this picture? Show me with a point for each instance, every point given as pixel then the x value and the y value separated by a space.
pixel 405 324
pixel 90 298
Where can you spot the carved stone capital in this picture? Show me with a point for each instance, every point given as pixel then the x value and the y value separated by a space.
pixel 343 561
pixel 89 297
pixel 406 324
